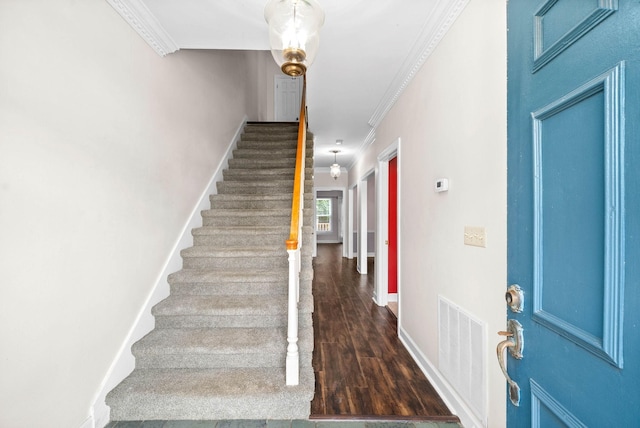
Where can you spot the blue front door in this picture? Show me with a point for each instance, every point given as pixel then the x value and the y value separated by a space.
pixel 574 211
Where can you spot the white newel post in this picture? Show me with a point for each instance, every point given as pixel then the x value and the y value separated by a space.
pixel 293 356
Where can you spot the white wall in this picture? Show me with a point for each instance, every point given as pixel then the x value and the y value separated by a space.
pixel 452 123
pixel 105 148
pixel 262 69
pixel 322 179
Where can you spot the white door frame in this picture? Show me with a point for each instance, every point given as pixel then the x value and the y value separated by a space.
pixel 348 244
pixel 381 282
pixel 363 229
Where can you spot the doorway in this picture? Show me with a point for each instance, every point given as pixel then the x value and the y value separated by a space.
pixel 365 221
pixel 329 223
pixel 387 282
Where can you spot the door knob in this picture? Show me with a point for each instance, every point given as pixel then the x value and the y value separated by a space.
pixel 515 344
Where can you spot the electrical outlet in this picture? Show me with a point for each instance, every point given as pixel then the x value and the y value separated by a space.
pixel 475 236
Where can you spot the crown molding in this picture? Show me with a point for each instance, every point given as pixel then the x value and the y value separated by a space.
pixel 140 18
pixel 436 26
pixel 368 141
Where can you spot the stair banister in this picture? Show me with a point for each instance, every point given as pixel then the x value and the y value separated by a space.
pixel 294 245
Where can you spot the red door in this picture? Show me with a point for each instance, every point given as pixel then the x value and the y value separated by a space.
pixel 393 226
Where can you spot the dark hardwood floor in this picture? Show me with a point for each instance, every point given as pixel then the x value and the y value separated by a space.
pixel 362 369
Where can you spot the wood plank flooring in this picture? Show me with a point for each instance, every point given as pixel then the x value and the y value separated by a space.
pixel 361 367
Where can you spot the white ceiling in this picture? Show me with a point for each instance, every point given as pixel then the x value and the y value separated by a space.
pixel 369 50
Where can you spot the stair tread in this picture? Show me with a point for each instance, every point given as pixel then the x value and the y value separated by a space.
pixel 228 340
pixel 234 251
pixel 231 393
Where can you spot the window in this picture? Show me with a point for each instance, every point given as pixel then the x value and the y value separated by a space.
pixel 323 215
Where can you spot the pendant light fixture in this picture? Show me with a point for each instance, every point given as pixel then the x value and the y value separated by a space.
pixel 294 38
pixel 334 169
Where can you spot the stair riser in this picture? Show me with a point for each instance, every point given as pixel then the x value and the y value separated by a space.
pixel 256 204
pixel 267 288
pixel 154 407
pixel 270 135
pixel 238 187
pixel 268 130
pixel 266 153
pixel 262 174
pixel 239 262
pixel 159 351
pixel 230 239
pixel 245 221
pixel 255 143
pixel 250 221
pixel 290 135
pixel 267 163
pixel 258 188
pixel 225 321
pixel 198 361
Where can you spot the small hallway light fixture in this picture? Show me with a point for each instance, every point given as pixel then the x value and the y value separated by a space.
pixel 334 169
pixel 294 38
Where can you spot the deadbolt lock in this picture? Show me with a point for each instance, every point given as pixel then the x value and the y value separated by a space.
pixel 515 298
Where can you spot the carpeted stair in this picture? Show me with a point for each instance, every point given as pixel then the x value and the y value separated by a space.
pixel 219 344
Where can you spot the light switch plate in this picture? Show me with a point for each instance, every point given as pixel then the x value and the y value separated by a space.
pixel 476 236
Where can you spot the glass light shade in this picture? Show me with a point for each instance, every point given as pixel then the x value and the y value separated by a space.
pixel 334 170
pixel 294 37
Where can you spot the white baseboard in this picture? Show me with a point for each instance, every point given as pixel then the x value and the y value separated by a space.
pixel 392 297
pixel 124 362
pixel 451 398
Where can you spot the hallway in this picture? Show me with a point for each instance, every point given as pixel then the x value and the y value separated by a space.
pixel 362 369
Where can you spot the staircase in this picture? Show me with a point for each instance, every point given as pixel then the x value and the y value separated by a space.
pixel 219 344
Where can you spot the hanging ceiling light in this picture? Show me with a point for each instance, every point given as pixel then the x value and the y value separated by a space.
pixel 294 38
pixel 334 169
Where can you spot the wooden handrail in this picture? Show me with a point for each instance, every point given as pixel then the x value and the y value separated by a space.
pixel 298 185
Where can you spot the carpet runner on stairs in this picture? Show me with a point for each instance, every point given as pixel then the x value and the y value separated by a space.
pixel 219 344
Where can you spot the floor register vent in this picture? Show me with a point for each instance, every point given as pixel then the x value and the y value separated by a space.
pixel 462 355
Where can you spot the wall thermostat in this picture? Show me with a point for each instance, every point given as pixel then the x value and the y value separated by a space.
pixel 442 185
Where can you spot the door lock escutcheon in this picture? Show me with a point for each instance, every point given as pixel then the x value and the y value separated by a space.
pixel 515 344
